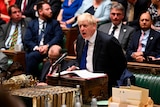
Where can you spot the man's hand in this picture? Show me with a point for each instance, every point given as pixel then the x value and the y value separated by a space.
pixel 72 68
pixel 140 59
pixel 43 49
pixel 136 54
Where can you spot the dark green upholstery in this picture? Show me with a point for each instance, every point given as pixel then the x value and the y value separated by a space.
pixel 151 82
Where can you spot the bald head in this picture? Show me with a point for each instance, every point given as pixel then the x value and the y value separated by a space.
pixel 145 21
pixel 54 52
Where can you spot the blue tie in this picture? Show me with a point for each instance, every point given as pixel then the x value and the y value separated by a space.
pixel 84 56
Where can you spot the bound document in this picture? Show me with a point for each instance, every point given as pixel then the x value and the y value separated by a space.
pixel 83 74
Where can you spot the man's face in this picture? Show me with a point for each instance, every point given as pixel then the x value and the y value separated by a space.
pixel 116 16
pixel 86 29
pixel 53 57
pixel 145 21
pixel 46 11
pixel 16 14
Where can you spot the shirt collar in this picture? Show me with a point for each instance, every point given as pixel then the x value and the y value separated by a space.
pixel 146 32
pixel 40 21
pixel 118 26
pixel 93 37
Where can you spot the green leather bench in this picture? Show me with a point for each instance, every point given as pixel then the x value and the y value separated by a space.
pixel 151 82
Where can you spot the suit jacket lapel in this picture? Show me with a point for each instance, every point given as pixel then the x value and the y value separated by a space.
pixel 47 28
pixel 36 29
pixel 150 38
pixel 8 30
pixel 96 51
pixel 108 27
pixel 82 42
pixel 23 27
pixel 122 33
pixel 137 40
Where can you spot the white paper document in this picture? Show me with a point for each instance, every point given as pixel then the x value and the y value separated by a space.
pixel 84 74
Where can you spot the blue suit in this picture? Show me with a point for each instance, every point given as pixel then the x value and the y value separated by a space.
pixel 152 47
pixel 52 35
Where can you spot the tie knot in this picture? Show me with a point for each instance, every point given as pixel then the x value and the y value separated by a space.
pixel 16 25
pixel 115 27
pixel 86 41
pixel 143 33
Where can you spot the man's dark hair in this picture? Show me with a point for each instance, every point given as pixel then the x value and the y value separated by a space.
pixel 10 7
pixel 40 4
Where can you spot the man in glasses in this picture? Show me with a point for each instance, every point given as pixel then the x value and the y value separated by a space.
pixel 53 54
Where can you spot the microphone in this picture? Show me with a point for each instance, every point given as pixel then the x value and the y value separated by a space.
pixel 60 59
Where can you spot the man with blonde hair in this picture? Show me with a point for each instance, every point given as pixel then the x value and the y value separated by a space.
pixel 104 53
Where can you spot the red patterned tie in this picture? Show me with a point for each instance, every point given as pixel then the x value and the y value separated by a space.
pixel 14 38
pixel 140 42
pixel 52 70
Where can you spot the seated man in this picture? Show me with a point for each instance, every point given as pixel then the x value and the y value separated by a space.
pixel 116 27
pixel 13 32
pixel 133 9
pixel 98 52
pixel 53 54
pixel 41 34
pixel 145 42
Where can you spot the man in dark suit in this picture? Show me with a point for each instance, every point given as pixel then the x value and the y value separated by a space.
pixel 53 55
pixel 6 30
pixel 104 53
pixel 27 7
pixel 139 7
pixel 122 32
pixel 145 42
pixel 41 34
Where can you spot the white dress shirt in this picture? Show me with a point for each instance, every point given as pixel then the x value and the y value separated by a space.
pixel 89 64
pixel 145 39
pixel 117 31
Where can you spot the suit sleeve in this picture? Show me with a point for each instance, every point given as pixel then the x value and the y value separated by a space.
pixel 3 61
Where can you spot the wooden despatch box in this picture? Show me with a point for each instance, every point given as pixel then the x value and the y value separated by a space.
pixel 97 87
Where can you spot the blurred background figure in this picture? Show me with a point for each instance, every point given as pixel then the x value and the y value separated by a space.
pixel 154 10
pixel 68 10
pixel 6 100
pixel 4 5
pixel 26 7
pixel 99 8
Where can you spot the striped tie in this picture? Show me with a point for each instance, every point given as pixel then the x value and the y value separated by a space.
pixel 14 38
pixel 139 49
